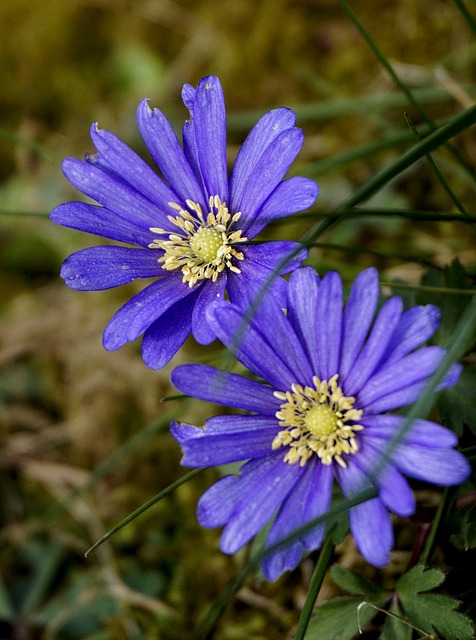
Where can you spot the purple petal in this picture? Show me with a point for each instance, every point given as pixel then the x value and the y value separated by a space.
pixel 167 334
pixel 369 522
pixel 374 347
pixel 281 256
pixel 142 310
pixel 394 491
pixel 439 466
pixel 222 387
pixel 407 371
pixel 101 222
pixel 115 195
pixel 290 196
pixel 168 154
pixel 255 281
pixel 372 530
pixel 358 316
pixel 229 439
pixel 301 306
pixel 249 345
pixel 131 167
pixel 209 123
pixel 98 268
pixel 268 172
pixel 329 324
pixel 268 127
pixel 211 291
pixel 217 504
pixel 416 326
pixel 309 499
pixel 266 483
pixel 422 432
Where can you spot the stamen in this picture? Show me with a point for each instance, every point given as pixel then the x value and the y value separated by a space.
pixel 204 246
pixel 317 422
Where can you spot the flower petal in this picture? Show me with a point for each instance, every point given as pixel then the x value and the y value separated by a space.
pixel 210 291
pixel 268 172
pixel 217 504
pixel 265 484
pixel 290 196
pixel 415 367
pixel 394 491
pixel 358 316
pixel 240 438
pixel 167 334
pixel 372 531
pixel 209 123
pixel 301 306
pixel 98 268
pixel 130 166
pixel 422 432
pixel 281 256
pixel 370 523
pixel 248 344
pixel 134 317
pixel 416 326
pixel 223 387
pixel 116 195
pixel 328 312
pixel 101 222
pixel 268 127
pixel 439 466
pixel 164 147
pixel 374 347
pixel 309 499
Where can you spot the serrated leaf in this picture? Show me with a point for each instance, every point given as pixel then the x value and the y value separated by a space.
pixel 339 619
pixel 419 579
pixel 395 628
pixel 354 583
pixel 435 614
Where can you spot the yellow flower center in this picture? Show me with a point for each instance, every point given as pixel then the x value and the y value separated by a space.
pixel 319 420
pixel 204 245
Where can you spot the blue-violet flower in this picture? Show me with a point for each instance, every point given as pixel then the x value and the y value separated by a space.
pixel 331 375
pixel 191 225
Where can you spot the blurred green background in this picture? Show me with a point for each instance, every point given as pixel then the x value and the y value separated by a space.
pixel 83 433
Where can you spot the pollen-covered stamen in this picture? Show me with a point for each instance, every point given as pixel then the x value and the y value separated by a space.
pixel 320 420
pixel 204 245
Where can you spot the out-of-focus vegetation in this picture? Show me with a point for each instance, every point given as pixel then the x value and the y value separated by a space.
pixel 84 433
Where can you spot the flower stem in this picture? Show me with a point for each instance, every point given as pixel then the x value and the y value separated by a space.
pixel 315 586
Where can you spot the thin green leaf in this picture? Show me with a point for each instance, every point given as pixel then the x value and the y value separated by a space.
pixel 315 586
pixel 147 505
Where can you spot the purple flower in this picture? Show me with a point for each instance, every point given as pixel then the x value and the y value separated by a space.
pixel 331 376
pixel 191 226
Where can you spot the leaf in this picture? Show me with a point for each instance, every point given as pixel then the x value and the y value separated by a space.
pixel 435 614
pixel 354 583
pixel 431 612
pixel 394 627
pixel 419 579
pixel 339 619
